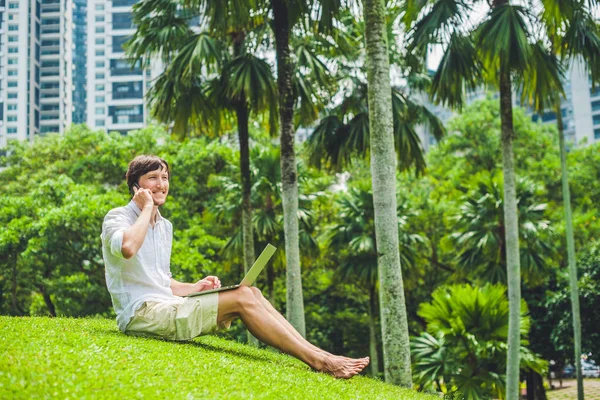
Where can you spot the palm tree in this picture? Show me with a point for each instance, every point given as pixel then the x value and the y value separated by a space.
pixel 383 165
pixel 573 34
pixel 343 133
pixel 202 83
pixel 353 237
pixel 497 51
pixel 464 345
pixel 479 236
pixel 266 203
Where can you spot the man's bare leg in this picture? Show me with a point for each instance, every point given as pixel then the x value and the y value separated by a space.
pixel 242 303
pixel 286 324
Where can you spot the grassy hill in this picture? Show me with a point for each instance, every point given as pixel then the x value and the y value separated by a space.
pixel 90 359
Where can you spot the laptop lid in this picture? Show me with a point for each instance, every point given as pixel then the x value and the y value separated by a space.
pixel 251 275
pixel 258 265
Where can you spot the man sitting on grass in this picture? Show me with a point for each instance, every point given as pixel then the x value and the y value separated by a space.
pixel 136 245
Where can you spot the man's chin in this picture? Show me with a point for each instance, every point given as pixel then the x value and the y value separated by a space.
pixel 159 203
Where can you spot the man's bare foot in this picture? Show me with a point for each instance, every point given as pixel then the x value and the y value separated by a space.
pixel 342 367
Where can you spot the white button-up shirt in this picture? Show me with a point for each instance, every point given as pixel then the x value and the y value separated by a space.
pixel 144 277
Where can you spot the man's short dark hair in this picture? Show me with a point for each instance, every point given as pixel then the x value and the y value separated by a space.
pixel 141 165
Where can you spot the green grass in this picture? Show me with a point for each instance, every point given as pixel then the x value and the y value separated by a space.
pixel 90 359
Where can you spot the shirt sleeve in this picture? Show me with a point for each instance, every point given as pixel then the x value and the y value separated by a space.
pixel 113 227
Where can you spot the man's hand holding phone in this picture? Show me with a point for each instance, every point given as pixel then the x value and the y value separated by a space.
pixel 142 197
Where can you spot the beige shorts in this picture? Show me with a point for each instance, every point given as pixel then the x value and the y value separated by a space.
pixel 194 317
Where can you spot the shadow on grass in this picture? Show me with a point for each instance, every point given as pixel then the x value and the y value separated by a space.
pixel 241 353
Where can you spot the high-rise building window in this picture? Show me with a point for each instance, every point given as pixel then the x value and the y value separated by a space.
pixel 99 18
pixel 597 134
pixel 12 84
pixel 53 42
pixel 100 52
pixel 12 61
pixel 12 72
pixel 122 21
pixel 99 64
pixel 51 64
pixel 123 3
pixel 11 107
pixel 12 95
pixel 100 87
pixel 13 6
pixel 99 7
pixel 99 40
pixel 99 110
pixel 99 99
pixel 99 122
pixel 11 118
pixel 99 75
pixel 12 39
pixel 13 50
pixel 13 28
pixel 596 119
pixel 51 107
pixel 11 130
pixel 118 42
pixel 99 29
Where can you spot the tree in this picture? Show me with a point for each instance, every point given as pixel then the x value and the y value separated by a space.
pixel 464 348
pixel 343 134
pixel 573 34
pixel 353 238
pixel 267 221
pixel 394 321
pixel 499 50
pixel 202 81
pixel 479 236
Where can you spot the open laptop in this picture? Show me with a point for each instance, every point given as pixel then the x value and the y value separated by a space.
pixel 252 274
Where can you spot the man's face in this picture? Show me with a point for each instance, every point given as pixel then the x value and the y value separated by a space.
pixel 158 183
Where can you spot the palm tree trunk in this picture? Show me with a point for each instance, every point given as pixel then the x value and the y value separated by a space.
pixel 394 322
pixel 373 332
pixel 13 289
pixel 48 301
pixel 513 264
pixel 289 173
pixel 247 235
pixel 570 253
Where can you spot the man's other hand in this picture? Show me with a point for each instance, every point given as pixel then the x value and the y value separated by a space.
pixel 210 282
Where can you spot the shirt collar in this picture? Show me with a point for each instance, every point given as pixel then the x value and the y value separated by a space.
pixel 137 211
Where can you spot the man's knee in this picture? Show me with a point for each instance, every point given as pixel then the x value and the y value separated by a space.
pixel 246 297
pixel 256 291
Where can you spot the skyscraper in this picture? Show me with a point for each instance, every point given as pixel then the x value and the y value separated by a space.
pixel 79 61
pixel 36 68
pixel 56 94
pixel 116 90
pixel 20 70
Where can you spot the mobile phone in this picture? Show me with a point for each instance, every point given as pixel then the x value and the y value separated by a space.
pixel 135 185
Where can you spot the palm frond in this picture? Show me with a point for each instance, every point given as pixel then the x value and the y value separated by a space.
pixel 459 70
pixel 158 33
pixel 582 38
pixel 503 39
pixel 249 79
pixel 201 53
pixel 541 87
pixel 441 20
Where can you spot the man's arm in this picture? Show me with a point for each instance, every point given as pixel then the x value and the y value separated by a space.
pixel 134 236
pixel 183 289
